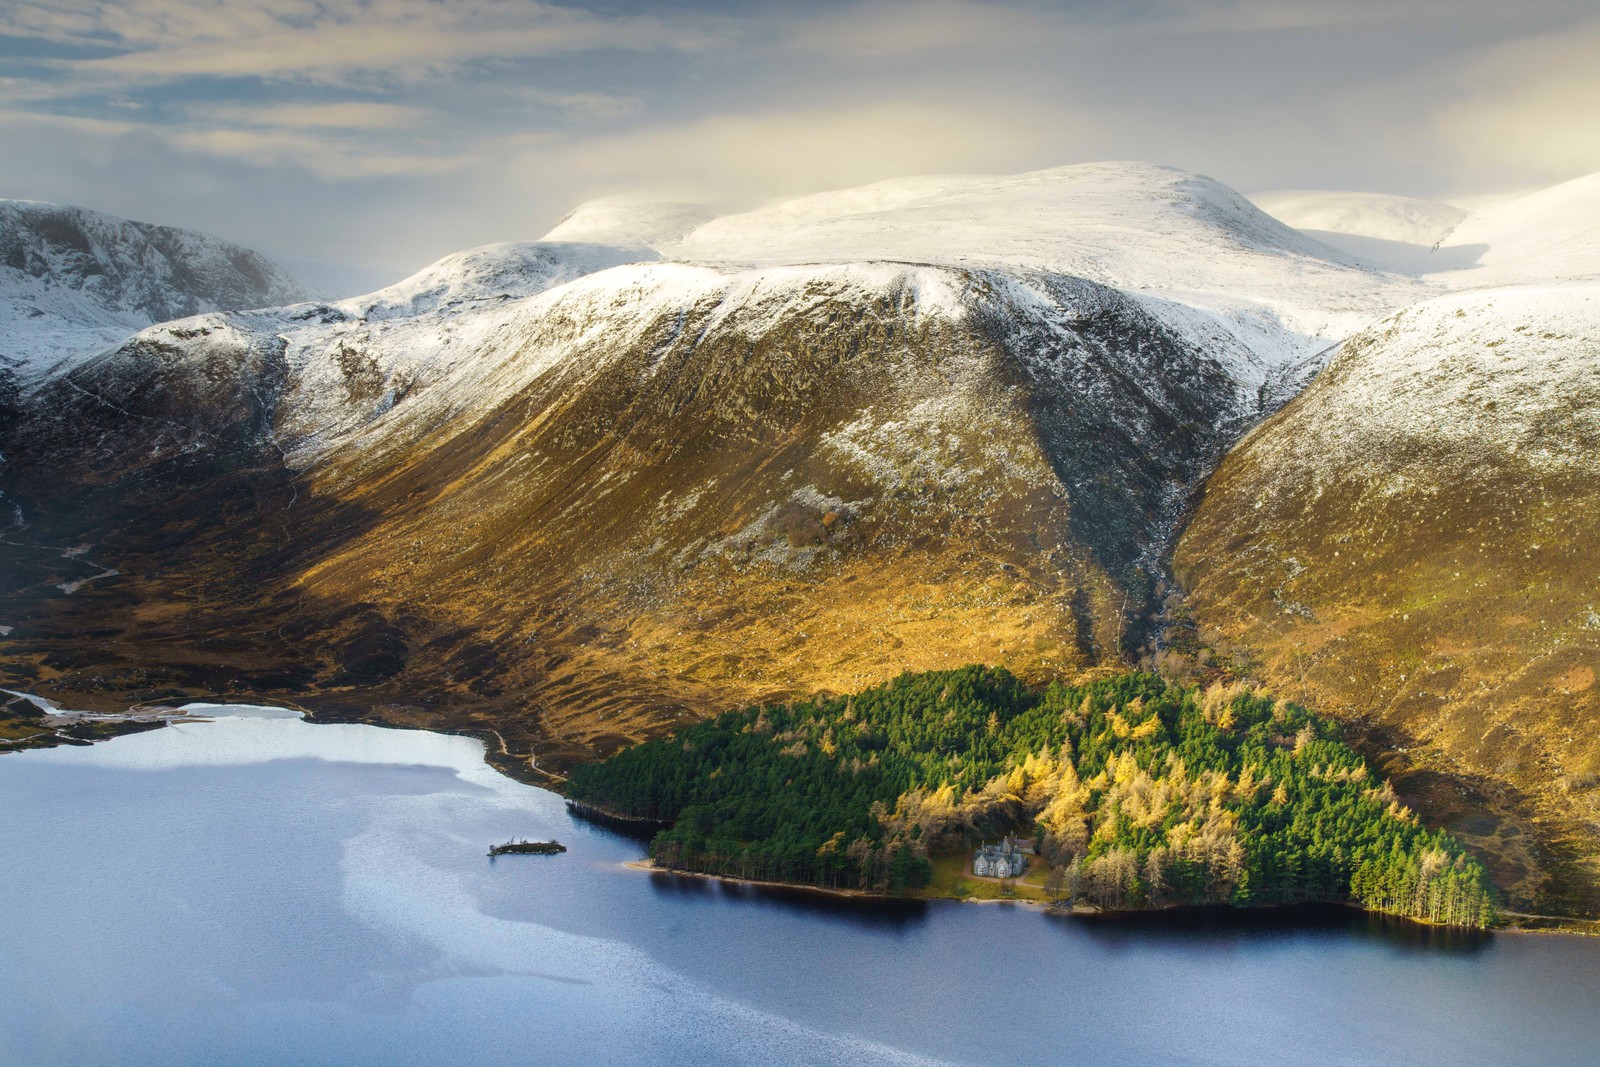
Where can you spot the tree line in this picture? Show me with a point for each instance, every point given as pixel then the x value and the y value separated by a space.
pixel 1139 793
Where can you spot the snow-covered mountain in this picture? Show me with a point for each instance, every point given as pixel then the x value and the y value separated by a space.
pixel 632 221
pixel 332 369
pixel 1261 300
pixel 1549 234
pixel 73 281
pixel 665 461
pixel 1009 372
pixel 1378 216
pixel 1398 232
pixel 1479 375
pixel 1178 236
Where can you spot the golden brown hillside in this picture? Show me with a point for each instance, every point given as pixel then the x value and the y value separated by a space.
pixel 1411 544
pixel 599 528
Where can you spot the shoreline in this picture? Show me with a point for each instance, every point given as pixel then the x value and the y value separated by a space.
pixel 1572 927
pixel 649 866
pixel 59 726
pixel 150 715
pixel 154 714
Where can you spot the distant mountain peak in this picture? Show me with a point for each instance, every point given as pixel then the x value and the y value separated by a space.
pixel 73 280
pixel 631 221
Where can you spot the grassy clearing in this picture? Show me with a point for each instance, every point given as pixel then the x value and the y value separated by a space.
pixel 21 729
pixel 953 879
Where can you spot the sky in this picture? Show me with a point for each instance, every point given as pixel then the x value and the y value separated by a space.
pixel 386 133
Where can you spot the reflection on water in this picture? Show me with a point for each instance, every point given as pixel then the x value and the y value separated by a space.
pixel 262 890
pixel 1215 925
pixel 882 914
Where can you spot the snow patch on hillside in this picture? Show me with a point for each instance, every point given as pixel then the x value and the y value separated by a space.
pixel 919 446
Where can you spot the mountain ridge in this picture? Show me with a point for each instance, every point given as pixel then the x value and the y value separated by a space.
pixel 74 280
pixel 578 492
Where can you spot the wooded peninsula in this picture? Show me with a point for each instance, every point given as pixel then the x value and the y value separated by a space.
pixel 1138 792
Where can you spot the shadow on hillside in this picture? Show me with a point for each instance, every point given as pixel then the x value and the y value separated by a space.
pixel 1402 256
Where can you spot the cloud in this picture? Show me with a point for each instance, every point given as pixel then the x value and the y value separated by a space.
pixel 329 158
pixel 144 24
pixel 881 28
pixel 1530 111
pixel 1272 15
pixel 579 105
pixel 342 115
pixel 903 27
pixel 788 150
pixel 321 153
pixel 329 42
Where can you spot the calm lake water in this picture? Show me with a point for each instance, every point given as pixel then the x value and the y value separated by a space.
pixel 260 890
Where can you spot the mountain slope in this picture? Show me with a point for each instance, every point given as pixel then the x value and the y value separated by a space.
pixel 631 221
pixel 586 512
pixel 1550 234
pixel 340 366
pixel 1398 232
pixel 573 493
pixel 74 280
pixel 1553 233
pixel 1379 216
pixel 1410 541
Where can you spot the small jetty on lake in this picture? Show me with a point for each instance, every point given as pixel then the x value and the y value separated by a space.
pixel 520 847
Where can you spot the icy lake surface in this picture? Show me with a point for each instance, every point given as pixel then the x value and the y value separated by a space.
pixel 257 889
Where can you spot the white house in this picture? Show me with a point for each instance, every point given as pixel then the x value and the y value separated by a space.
pixel 1004 860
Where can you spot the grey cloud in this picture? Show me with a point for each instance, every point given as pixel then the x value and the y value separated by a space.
pixel 390 131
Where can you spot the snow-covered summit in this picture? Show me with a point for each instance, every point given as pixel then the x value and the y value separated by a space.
pixel 1087 216
pixel 492 273
pixel 1134 226
pixel 74 280
pixel 632 221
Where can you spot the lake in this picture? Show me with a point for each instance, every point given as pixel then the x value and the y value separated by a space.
pixel 257 889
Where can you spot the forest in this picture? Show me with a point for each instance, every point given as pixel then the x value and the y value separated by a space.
pixel 1139 792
